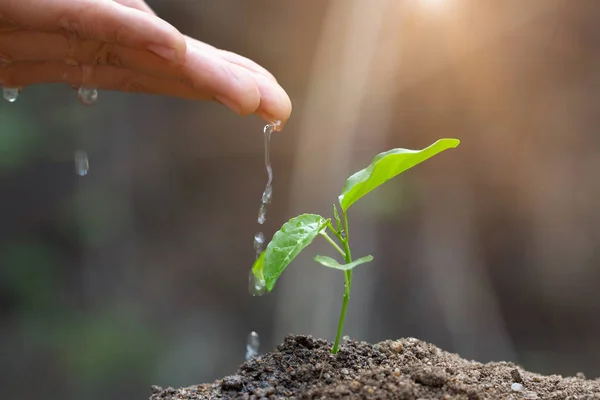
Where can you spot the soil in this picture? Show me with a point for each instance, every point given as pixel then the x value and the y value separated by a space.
pixel 303 368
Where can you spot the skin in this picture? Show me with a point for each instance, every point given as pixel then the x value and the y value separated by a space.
pixel 122 45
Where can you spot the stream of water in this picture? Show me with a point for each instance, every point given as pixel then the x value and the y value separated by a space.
pixel 256 286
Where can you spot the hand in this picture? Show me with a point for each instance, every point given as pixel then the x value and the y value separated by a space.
pixel 122 45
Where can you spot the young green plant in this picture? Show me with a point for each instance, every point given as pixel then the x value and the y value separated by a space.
pixel 299 232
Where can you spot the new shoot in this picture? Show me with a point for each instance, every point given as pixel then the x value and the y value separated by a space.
pixel 299 232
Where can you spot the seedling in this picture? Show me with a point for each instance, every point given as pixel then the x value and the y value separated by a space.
pixel 299 232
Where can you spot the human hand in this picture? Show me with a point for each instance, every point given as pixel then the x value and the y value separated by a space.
pixel 122 45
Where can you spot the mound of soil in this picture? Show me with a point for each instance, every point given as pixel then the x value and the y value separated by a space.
pixel 303 368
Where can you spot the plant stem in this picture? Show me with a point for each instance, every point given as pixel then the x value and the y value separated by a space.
pixel 346 240
pixel 348 284
pixel 336 233
pixel 333 244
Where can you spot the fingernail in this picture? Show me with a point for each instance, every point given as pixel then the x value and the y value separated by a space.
pixel 229 104
pixel 164 52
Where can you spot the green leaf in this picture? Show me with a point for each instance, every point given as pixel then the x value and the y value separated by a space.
pixel 337 218
pixel 331 263
pixel 287 243
pixel 386 166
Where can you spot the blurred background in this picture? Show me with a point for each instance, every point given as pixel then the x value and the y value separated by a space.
pixel 137 273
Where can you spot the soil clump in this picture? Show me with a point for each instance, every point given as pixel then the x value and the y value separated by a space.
pixel 302 367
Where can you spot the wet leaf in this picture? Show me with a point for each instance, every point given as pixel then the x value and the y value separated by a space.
pixel 331 263
pixel 386 166
pixel 287 243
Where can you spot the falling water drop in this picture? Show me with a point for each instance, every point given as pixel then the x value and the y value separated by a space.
pixel 87 96
pixel 252 345
pixel 262 213
pixel 82 164
pixel 10 94
pixel 257 287
pixel 267 195
pixel 259 240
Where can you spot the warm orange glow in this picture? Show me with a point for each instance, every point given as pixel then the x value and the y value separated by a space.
pixel 435 4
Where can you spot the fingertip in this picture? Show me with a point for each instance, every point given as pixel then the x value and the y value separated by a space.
pixel 275 104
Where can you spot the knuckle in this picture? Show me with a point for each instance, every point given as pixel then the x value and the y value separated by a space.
pixel 81 22
pixel 122 34
pixel 106 54
pixel 187 82
pixel 70 26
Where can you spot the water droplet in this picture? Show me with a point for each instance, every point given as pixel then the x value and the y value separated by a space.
pixel 87 96
pixel 82 164
pixel 252 345
pixel 262 213
pixel 259 240
pixel 257 287
pixel 10 94
pixel 267 195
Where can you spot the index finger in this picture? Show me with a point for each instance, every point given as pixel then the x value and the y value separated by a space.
pixel 103 20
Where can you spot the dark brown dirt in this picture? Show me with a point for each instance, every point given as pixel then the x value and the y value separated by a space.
pixel 303 368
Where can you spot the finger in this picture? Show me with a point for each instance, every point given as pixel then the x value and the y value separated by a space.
pixel 270 104
pixel 239 88
pixel 103 20
pixel 104 78
pixel 229 56
pixel 275 104
pixel 137 4
pixel 202 69
pixel 24 45
pixel 226 55
pixel 21 74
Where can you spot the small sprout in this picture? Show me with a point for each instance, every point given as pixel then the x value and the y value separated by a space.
pixel 299 232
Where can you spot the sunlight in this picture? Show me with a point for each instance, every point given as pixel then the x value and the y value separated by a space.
pixel 435 4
